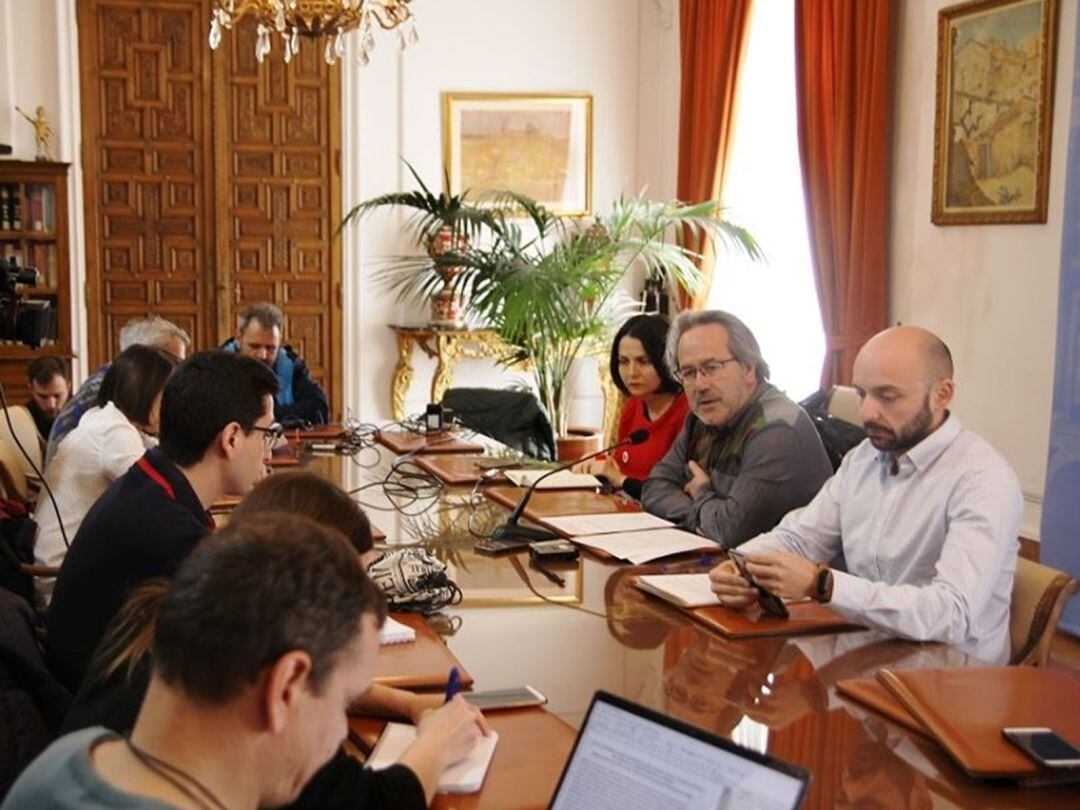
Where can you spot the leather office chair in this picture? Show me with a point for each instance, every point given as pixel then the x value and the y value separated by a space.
pixel 844 404
pixel 13 483
pixel 26 431
pixel 1038 599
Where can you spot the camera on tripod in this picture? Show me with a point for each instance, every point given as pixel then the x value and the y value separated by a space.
pixel 26 320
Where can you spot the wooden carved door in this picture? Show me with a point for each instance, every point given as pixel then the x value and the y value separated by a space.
pixel 148 168
pixel 278 195
pixel 211 180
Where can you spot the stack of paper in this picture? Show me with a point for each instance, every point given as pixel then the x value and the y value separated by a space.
pixel 564 479
pixel 643 547
pixel 685 590
pixel 464 776
pixel 394 632
pixel 581 525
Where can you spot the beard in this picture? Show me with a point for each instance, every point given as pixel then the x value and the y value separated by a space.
pixel 907 436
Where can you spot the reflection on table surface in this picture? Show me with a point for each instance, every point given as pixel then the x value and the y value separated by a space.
pixel 775 695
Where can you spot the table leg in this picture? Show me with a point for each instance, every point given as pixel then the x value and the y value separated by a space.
pixel 403 376
pixel 448 353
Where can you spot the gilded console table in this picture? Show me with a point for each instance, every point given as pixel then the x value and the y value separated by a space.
pixel 447 346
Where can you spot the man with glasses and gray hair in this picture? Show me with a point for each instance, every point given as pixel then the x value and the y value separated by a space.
pixel 747 454
pixel 155 332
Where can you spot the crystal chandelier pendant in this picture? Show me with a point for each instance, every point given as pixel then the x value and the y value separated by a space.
pixel 215 34
pixel 330 55
pixel 294 41
pixel 414 34
pixel 288 52
pixel 262 42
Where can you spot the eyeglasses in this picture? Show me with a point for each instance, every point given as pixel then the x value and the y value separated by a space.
pixel 709 370
pixel 271 435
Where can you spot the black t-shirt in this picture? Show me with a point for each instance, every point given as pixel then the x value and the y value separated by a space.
pixel 42 421
pixel 144 525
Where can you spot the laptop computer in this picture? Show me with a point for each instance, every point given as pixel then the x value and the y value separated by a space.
pixel 629 756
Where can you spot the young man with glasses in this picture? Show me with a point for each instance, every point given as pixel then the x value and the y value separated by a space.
pixel 217 429
pixel 747 454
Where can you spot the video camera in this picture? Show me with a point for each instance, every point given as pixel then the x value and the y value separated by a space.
pixel 27 321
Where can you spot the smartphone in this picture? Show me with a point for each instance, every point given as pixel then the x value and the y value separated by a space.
pixel 513 698
pixel 493 547
pixel 769 602
pixel 1044 746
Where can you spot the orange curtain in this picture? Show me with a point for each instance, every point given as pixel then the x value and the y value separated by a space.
pixel 843 62
pixel 712 36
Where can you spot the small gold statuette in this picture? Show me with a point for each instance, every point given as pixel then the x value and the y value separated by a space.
pixel 42 133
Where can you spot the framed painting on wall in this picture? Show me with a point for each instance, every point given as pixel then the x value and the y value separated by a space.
pixel 534 144
pixel 995 104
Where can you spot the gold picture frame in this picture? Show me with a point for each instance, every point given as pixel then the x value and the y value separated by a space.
pixel 537 144
pixel 994 111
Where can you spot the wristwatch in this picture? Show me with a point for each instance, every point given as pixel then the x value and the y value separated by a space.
pixel 823 584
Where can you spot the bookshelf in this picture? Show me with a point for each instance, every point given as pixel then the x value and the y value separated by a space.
pixel 34 229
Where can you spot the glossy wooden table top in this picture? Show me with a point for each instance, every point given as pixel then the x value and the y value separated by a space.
pixel 776 695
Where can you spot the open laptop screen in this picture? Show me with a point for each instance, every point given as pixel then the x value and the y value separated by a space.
pixel 629 756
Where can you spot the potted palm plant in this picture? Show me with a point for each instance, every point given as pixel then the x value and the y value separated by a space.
pixel 439 224
pixel 550 285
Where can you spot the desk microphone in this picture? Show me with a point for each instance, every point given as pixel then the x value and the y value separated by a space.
pixel 512 531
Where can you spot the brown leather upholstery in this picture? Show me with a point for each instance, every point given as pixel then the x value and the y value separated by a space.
pixel 26 430
pixel 844 404
pixel 1038 599
pixel 12 476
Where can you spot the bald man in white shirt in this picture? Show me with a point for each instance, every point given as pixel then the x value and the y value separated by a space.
pixel 925 512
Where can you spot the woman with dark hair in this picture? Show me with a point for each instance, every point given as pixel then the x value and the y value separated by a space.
pixel 108 440
pixel 656 403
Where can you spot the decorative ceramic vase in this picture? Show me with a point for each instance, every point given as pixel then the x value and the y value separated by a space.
pixel 446 304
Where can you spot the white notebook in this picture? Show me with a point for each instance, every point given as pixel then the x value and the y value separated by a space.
pixel 464 776
pixel 575 525
pixel 685 590
pixel 564 479
pixel 394 632
pixel 643 547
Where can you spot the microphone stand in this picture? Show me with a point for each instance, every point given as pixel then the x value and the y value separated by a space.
pixel 512 532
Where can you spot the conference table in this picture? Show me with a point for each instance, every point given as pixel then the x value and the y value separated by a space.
pixel 776 695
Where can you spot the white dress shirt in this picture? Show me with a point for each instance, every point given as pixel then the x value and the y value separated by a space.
pixel 97 452
pixel 930 549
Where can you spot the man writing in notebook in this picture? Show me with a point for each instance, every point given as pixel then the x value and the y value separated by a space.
pixel 268 633
pixel 747 454
pixel 925 512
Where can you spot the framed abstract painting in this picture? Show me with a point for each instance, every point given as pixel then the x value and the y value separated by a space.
pixel 539 145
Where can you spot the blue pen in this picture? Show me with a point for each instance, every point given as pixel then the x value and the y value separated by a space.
pixel 453 684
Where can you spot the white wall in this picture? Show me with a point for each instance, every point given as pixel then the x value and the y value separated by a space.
pixel 990 291
pixel 39 67
pixel 623 52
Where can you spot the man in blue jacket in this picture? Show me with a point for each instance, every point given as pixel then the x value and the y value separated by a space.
pixel 299 401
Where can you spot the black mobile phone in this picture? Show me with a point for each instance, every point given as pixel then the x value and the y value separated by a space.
pixel 553 551
pixel 769 602
pixel 1044 746
pixel 490 546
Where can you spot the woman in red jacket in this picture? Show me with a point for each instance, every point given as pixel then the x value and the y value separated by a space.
pixel 656 403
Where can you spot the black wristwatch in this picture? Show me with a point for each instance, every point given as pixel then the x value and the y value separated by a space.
pixel 823 584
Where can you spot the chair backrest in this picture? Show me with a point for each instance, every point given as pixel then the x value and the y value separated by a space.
pixel 1038 599
pixel 12 475
pixel 515 418
pixel 844 404
pixel 26 431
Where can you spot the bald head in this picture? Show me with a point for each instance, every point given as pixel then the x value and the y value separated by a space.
pixel 904 376
pixel 914 348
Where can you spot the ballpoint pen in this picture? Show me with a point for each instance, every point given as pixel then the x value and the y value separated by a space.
pixel 550 575
pixel 453 684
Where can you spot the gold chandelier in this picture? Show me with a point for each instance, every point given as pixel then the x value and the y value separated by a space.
pixel 292 19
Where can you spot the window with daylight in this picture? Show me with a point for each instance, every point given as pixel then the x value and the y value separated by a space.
pixel 763 191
